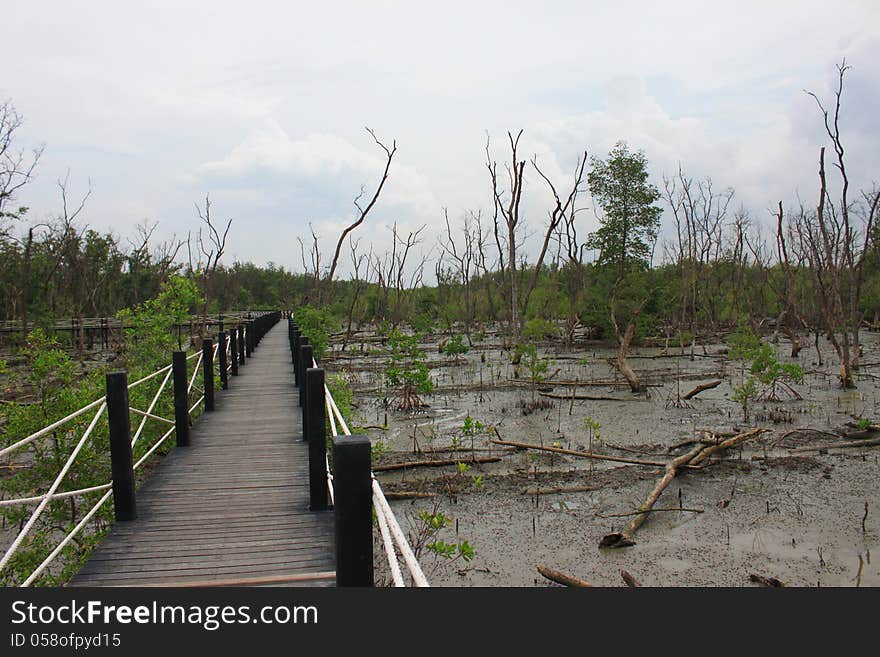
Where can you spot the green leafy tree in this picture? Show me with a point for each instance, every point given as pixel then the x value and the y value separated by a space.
pixel 630 220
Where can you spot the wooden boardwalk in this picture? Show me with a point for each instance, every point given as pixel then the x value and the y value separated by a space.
pixel 232 508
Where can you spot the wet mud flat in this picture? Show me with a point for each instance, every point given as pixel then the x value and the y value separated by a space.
pixel 789 504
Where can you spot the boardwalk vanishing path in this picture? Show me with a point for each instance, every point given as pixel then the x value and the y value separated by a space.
pixel 232 507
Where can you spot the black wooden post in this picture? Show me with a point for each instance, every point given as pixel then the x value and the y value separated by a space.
pixel 318 494
pixel 233 351
pixel 241 355
pixel 353 506
pixel 249 339
pixel 181 398
pixel 296 345
pixel 208 372
pixel 305 362
pixel 221 359
pixel 119 423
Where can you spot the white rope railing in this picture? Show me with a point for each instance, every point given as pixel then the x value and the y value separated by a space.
pixel 389 528
pixel 55 484
pixel 149 410
pixel 52 493
pixel 50 428
pixel 56 496
pixel 82 523
pixel 192 380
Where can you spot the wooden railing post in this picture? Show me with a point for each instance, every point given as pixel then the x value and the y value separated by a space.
pixel 208 372
pixel 221 360
pixel 241 354
pixel 233 351
pixel 305 362
pixel 353 507
pixel 249 338
pixel 297 342
pixel 119 423
pixel 181 398
pixel 317 438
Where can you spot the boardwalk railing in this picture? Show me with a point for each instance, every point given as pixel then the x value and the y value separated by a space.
pixel 122 443
pixel 350 486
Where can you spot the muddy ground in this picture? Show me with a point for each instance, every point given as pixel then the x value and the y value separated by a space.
pixel 808 518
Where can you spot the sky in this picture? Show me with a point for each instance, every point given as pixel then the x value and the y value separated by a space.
pixel 264 106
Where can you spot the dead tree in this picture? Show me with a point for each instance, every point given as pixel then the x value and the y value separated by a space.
pixel 212 251
pixel 836 254
pixel 789 319
pixel 506 204
pixel 463 256
pixel 16 168
pixel 700 213
pixel 362 210
pixel 357 263
pixel 559 213
pixel 312 266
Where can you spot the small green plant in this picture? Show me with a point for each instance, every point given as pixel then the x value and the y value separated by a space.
pixel 405 369
pixel 471 427
pixel 775 375
pixel 478 481
pixel 592 427
pixel 537 367
pixel 865 424
pixel 455 347
pixel 744 394
pixel 377 449
pixel 431 524
pixel 462 468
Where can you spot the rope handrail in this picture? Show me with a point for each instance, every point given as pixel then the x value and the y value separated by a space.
pixel 52 493
pixel 55 484
pixel 389 527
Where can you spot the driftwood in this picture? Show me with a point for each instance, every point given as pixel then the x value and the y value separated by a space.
pixel 654 510
pixel 571 452
pixel 771 582
pixel 700 388
pixel 435 463
pixel 552 395
pixel 726 444
pixel 562 578
pixel 407 495
pixel 845 443
pixel 694 457
pixel 631 581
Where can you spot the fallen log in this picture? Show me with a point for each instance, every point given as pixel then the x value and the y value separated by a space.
pixel 636 513
pixel 435 463
pixel 726 444
pixel 703 386
pixel 586 455
pixel 407 495
pixel 562 578
pixel 692 458
pixel 771 582
pixel 631 581
pixel 624 538
pixel 552 395
pixel 845 443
